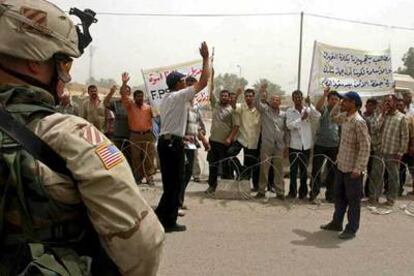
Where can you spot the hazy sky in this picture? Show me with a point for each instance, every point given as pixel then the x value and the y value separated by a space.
pixel 264 47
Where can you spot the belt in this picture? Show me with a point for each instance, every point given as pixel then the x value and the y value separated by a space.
pixel 171 137
pixel 140 132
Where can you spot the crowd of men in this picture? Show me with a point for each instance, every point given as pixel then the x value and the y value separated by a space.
pixel 267 135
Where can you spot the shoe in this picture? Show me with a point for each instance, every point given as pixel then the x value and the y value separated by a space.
pixel 181 213
pixel 372 201
pixel 290 196
pixel 197 179
pixel 281 197
pixel 389 203
pixel 331 227
pixel 254 190
pixel 260 195
pixel 345 235
pixel 175 228
pixel 210 191
pixel 272 190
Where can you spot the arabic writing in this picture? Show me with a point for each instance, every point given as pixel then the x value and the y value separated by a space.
pixel 341 84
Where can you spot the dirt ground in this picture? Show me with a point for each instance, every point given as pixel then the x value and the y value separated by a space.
pixel 270 237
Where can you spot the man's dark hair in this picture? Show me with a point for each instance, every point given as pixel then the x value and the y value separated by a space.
pixel 249 90
pixel 92 86
pixel 138 92
pixel 297 92
pixel 225 91
pixel 372 101
pixel 333 93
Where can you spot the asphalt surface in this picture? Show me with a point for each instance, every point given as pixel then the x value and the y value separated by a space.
pixel 270 237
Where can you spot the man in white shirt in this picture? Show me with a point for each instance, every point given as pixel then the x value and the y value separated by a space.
pixel 173 114
pixel 298 121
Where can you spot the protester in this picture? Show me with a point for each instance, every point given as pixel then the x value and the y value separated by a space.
pixel 195 130
pixel 298 121
pixel 93 109
pixel 141 137
pixel 373 186
pixel 196 173
pixel 326 147
pixel 222 134
pixel 247 121
pixel 394 143
pixel 68 208
pixel 407 160
pixel 352 160
pixel 275 140
pixel 120 135
pixel 65 105
pixel 173 115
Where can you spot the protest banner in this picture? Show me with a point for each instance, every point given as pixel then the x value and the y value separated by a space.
pixel 344 69
pixel 156 86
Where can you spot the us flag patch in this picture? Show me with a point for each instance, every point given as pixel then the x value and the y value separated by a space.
pixel 109 155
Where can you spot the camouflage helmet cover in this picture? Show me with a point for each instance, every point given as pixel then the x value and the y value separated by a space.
pixel 36 30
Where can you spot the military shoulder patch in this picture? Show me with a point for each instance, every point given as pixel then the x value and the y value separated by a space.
pixel 109 155
pixel 92 135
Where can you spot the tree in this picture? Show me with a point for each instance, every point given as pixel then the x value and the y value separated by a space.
pixel 408 60
pixel 272 88
pixel 106 83
pixel 229 82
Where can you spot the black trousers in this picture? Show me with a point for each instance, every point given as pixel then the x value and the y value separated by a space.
pixel 188 172
pixel 250 168
pixel 348 193
pixel 171 153
pixel 215 157
pixel 299 160
pixel 321 153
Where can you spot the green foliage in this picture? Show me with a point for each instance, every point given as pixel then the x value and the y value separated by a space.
pixel 230 82
pixel 408 60
pixel 272 88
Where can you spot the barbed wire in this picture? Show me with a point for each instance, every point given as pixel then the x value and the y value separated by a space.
pixel 239 189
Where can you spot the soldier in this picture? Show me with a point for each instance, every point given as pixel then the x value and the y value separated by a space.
pixel 58 173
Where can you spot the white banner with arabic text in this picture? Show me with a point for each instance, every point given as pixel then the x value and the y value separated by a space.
pixel 155 82
pixel 366 72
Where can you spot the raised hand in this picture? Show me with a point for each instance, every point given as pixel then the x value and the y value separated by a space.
pixel 326 91
pixel 125 77
pixel 204 50
pixel 263 87
pixel 113 88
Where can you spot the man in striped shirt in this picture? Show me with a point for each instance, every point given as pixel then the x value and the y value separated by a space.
pixel 394 143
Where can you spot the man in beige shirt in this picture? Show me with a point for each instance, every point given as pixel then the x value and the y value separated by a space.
pixel 247 121
pixel 93 109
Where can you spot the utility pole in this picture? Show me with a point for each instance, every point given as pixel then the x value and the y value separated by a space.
pixel 91 55
pixel 300 49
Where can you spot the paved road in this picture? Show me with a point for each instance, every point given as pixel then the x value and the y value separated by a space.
pixel 248 237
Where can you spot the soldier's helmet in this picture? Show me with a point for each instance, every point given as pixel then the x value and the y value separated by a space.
pixel 36 30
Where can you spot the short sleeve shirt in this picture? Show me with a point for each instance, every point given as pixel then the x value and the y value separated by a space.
pixel 174 111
